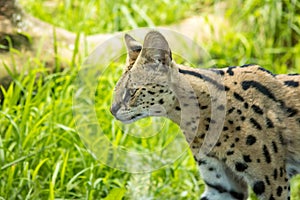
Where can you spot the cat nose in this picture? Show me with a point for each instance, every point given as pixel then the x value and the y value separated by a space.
pixel 114 108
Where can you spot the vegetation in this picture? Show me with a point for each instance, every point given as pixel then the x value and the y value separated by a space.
pixel 109 16
pixel 41 154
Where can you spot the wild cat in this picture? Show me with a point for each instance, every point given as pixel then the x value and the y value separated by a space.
pixel 259 140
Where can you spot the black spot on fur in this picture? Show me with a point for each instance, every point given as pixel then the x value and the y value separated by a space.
pixel 267 71
pixel 193 97
pixel 230 71
pixel 281 139
pixel 255 124
pixel 257 109
pixel 177 108
pixel 291 112
pixel 231 110
pixel 246 105
pixel 259 87
pixel 266 154
pixel 217 187
pixel 281 171
pixel 291 83
pixel 161 101
pixel 207 127
pixel 135 116
pixel 221 107
pixel 236 195
pixel 275 149
pixel 240 167
pixel 279 191
pixel 247 65
pixel 269 123
pixel 271 197
pixel 238 97
pixel 221 72
pixel 218 85
pixel 226 88
pixel 295 74
pixel 217 71
pixel 150 92
pixel 225 128
pixel 267 180
pixel 229 153
pixel 203 107
pixel 275 174
pixel 259 187
pixel 247 158
pixel 250 140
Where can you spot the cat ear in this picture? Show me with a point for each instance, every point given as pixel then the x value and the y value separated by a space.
pixel 133 48
pixel 156 48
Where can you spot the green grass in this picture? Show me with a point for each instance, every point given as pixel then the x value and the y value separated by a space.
pixel 43 157
pixel 98 16
pixel 41 153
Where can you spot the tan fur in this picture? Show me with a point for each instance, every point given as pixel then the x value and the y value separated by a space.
pixel 243 122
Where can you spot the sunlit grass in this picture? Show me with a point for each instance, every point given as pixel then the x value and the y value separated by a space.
pixel 42 156
pixel 98 16
pixel 263 32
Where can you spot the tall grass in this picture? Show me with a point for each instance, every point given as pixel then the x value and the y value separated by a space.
pixel 262 32
pixel 41 154
pixel 98 16
pixel 42 157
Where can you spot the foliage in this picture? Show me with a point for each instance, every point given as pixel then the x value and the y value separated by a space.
pixel 263 32
pixel 96 16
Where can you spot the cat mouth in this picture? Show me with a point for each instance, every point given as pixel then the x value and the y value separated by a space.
pixel 127 119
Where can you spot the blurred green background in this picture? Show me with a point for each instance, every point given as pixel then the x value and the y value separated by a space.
pixel 41 155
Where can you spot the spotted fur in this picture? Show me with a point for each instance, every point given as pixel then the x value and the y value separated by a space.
pixel 259 142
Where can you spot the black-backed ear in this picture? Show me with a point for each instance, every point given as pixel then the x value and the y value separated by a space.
pixel 133 48
pixel 156 48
